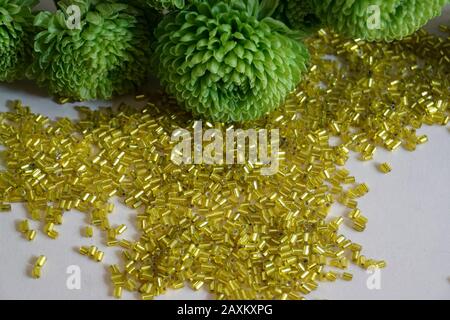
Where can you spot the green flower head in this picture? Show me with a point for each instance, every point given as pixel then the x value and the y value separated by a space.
pixel 375 20
pixel 227 60
pixel 16 38
pixel 106 52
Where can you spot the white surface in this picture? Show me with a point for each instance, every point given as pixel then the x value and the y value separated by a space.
pixel 408 213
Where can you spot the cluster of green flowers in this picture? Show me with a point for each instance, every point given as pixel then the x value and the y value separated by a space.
pixel 225 60
pixel 16 38
pixel 108 53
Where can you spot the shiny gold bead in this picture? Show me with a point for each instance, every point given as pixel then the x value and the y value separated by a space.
pixel 117 292
pixel 347 276
pixel 89 232
pixel 36 272
pixel 24 226
pixel 99 256
pixel 385 167
pixel 31 235
pixel 41 261
pixel 5 207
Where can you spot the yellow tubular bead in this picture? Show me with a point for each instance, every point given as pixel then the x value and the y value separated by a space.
pixel 385 168
pixel 92 251
pixel 112 243
pixel 331 276
pixel 53 234
pixel 347 276
pixel 121 229
pixel 197 285
pixel 147 297
pixel 24 226
pixel 89 232
pixel 4 207
pixel 41 261
pixel 422 139
pixel 31 235
pixel 99 256
pixel 84 251
pixel 36 272
pixel 117 292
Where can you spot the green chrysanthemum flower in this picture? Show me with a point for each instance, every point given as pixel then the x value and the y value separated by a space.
pixel 227 63
pixel 359 18
pixel 107 53
pixel 16 38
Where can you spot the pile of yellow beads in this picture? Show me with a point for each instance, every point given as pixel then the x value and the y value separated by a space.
pixel 227 228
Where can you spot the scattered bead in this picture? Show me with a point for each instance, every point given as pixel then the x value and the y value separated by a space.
pixel 31 235
pixel 347 276
pixel 89 232
pixel 385 168
pixel 5 207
